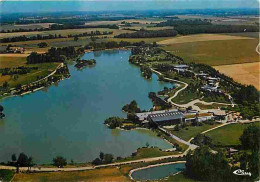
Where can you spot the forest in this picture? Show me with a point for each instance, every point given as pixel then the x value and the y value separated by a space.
pixel 54 55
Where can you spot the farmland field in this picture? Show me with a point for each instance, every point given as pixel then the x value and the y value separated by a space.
pixel 247 73
pixel 106 174
pixel 199 37
pixel 62 32
pixel 25 26
pixel 16 60
pixel 217 52
pixel 12 60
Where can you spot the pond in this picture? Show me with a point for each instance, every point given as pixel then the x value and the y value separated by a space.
pixel 67 118
pixel 158 172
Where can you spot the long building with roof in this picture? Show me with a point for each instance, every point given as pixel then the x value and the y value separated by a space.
pixel 166 118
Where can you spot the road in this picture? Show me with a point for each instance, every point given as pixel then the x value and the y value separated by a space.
pixel 37 169
pixel 192 103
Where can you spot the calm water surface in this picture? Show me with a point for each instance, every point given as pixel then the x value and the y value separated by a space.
pixel 158 172
pixel 67 119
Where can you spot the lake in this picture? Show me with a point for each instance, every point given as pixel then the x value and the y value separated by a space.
pixel 158 172
pixel 67 118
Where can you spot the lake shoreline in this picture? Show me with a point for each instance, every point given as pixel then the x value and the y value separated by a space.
pixel 152 166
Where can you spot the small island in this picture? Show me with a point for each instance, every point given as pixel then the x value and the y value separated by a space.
pixel 83 63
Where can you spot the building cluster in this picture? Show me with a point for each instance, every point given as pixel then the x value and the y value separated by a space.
pixel 8 49
pixel 211 83
pixel 174 116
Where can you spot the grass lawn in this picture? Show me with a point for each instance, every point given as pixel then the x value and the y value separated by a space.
pixel 228 135
pixel 6 175
pixel 185 97
pixel 212 106
pixel 192 131
pixel 179 178
pixel 147 153
pixel 217 52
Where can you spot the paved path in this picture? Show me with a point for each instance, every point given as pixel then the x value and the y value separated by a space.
pixel 176 93
pixel 192 103
pixel 96 167
pixel 178 139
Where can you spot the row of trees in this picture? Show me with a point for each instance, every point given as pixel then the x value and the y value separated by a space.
pixel 176 22
pixel 196 26
pixel 17 70
pixel 185 27
pixel 92 33
pixel 54 55
pixel 73 25
pixel 149 34
pixel 111 44
pixel 103 159
pixel 27 38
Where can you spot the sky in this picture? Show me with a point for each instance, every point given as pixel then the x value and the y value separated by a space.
pixel 10 6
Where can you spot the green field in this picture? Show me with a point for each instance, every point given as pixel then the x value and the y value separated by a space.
pixel 147 153
pixel 217 52
pixel 43 70
pixel 6 175
pixel 228 135
pixel 185 97
pixel 192 131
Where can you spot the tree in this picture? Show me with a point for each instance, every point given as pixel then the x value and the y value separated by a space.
pixel 176 128
pixel 201 140
pixel 76 38
pixel 203 165
pixel 96 161
pixel 108 158
pixel 5 84
pixel 147 144
pixel 22 160
pixel 14 158
pixel 1 108
pixel 253 165
pixel 59 161
pixel 30 163
pixel 42 44
pixel 101 156
pixel 250 138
